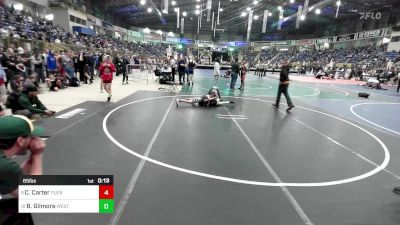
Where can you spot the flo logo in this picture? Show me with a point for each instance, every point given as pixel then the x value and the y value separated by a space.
pixel 370 15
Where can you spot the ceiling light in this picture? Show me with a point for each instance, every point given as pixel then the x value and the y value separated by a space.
pixel 291 1
pixel 255 17
pixel 176 9
pixel 269 14
pixel 280 8
pixel 173 3
pixel 243 14
pixel 197 0
pixel 197 7
pixel 184 14
pixel 221 9
pixel 49 17
pixel 165 11
pixel 197 12
pixel 18 7
pixel 149 10
pixel 317 11
pixel 255 2
pixel 143 2
pixel 302 17
pixel 338 3
pixel 248 9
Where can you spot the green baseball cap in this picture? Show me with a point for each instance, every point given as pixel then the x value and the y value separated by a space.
pixel 18 126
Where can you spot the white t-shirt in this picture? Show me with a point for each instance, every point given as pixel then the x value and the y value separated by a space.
pixel 217 69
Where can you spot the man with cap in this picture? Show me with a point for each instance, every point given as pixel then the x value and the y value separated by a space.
pixel 18 136
pixel 30 105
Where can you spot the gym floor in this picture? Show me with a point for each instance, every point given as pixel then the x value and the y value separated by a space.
pixel 333 160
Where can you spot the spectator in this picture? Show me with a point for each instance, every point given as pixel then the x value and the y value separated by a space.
pixel 18 136
pixel 125 63
pixel 31 81
pixel 190 70
pixel 15 65
pixel 235 69
pixel 37 66
pixel 30 106
pixel 90 62
pixel 181 70
pixel 2 112
pixel 217 71
pixel 3 90
pixel 243 73
pixel 51 62
pixel 17 84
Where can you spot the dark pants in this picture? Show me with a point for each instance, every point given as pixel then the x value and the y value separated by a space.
pixel 124 76
pixel 283 88
pixel 10 76
pixel 181 76
pixel 81 70
pixel 173 73
pixel 234 77
pixel 398 86
pixel 91 70
pixel 40 74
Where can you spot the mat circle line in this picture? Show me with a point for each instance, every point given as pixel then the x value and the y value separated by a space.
pixel 381 167
pixel 316 91
pixel 370 122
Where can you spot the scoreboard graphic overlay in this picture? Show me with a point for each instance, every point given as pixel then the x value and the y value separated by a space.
pixel 66 194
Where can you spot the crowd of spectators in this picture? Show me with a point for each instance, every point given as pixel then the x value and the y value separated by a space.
pixel 24 25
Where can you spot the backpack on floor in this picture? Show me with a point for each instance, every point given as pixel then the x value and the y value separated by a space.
pixel 74 82
pixel 363 95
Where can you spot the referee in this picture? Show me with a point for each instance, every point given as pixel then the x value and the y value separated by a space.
pixel 284 86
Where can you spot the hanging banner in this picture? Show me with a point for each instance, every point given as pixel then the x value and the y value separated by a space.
pixel 172 40
pixel 249 25
pixel 166 3
pixel 346 37
pixel 178 13
pixel 242 43
pixel 201 42
pixel 219 10
pixel 304 42
pixel 299 11
pixel 370 34
pixel 265 21
pixel 209 5
pixel 283 43
pixel 305 8
pixel 186 41
pixel 321 41
pixel 182 25
pixel 262 43
pixel 280 20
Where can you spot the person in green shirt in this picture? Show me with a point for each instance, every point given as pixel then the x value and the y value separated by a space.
pixel 30 105
pixel 17 137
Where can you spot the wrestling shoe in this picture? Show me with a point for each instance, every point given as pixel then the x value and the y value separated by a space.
pixel 290 108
